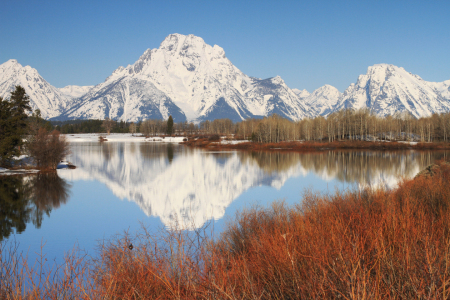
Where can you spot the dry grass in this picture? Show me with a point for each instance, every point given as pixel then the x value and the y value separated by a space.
pixel 43 279
pixel 370 244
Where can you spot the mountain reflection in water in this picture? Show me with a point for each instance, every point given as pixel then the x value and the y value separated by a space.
pixel 191 186
pixel 25 199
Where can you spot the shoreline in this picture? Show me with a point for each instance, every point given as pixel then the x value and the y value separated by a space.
pixel 299 146
pixel 120 137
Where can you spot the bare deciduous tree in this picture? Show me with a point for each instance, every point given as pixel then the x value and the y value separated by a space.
pixel 108 124
pixel 48 148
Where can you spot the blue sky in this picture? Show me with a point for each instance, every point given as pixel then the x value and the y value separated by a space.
pixel 307 43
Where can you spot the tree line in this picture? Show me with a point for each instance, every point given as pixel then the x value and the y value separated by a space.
pixel 89 126
pixel 348 125
pixel 342 125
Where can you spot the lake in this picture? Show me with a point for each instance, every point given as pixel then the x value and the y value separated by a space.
pixel 121 186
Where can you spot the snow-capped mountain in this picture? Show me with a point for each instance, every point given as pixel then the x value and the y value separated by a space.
pixel 186 78
pixel 75 91
pixel 323 99
pixel 43 96
pixel 191 80
pixel 388 89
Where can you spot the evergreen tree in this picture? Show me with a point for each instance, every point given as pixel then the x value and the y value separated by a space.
pixel 13 124
pixel 170 125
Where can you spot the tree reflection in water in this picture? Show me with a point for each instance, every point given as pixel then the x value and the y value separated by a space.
pixel 170 152
pixel 25 199
pixel 347 166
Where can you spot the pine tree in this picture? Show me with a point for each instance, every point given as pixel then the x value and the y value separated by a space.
pixel 170 125
pixel 13 124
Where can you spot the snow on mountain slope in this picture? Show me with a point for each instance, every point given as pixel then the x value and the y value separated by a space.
pixel 301 93
pixel 75 91
pixel 196 76
pixel 388 89
pixel 323 99
pixel 442 88
pixel 272 95
pixel 125 98
pixel 191 80
pixel 186 76
pixel 43 96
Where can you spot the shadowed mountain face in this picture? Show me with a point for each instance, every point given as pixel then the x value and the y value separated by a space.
pixel 190 186
pixel 26 199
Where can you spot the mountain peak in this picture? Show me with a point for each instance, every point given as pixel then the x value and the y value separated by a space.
pixel 301 93
pixel 277 80
pixel 176 42
pixel 323 99
pixel 327 87
pixel 11 64
pixel 43 96
pixel 387 89
pixel 384 69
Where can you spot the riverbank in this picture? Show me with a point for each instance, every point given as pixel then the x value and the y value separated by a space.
pixel 121 137
pixel 17 171
pixel 223 144
pixel 372 243
pixel 32 170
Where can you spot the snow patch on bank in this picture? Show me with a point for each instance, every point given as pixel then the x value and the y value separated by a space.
pixel 7 172
pixel 119 137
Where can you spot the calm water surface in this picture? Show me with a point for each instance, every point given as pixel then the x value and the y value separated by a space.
pixel 118 187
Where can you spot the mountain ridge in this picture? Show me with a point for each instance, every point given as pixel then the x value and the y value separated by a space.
pixel 194 81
